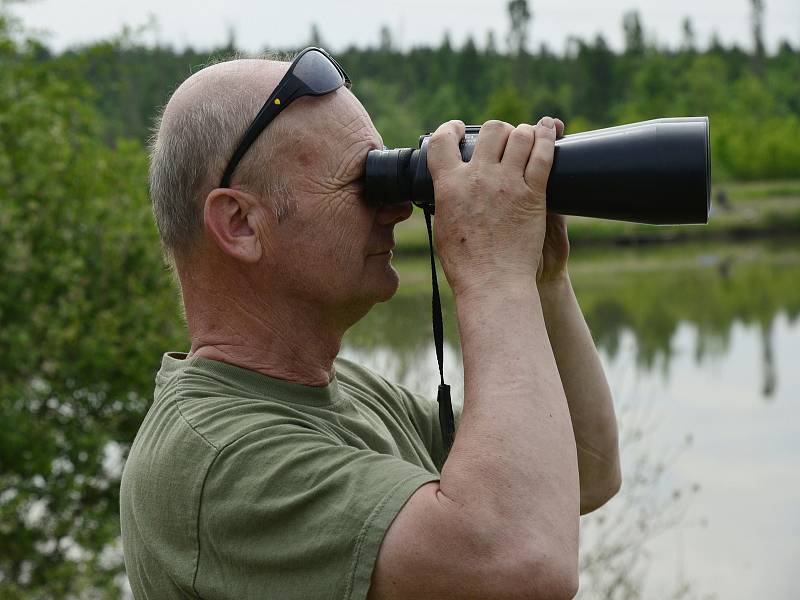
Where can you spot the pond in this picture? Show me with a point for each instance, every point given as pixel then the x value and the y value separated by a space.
pixel 701 347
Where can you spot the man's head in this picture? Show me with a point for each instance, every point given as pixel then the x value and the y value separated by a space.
pixel 292 224
pixel 197 132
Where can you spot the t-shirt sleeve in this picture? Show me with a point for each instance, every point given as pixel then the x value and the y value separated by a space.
pixel 424 414
pixel 290 512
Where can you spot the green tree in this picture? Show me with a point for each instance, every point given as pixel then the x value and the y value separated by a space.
pixel 315 37
pixel 507 105
pixel 689 38
pixel 634 33
pixel 472 78
pixel 520 16
pixel 386 43
pixel 589 85
pixel 594 87
pixel 757 27
pixel 86 308
pixel 491 44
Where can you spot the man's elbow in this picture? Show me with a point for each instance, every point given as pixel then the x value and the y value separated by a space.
pixel 550 581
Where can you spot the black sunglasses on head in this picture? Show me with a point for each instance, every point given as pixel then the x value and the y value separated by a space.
pixel 313 73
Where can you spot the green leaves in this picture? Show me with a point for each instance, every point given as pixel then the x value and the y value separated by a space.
pixel 85 306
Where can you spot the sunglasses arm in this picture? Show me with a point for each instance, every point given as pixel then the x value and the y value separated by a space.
pixel 279 99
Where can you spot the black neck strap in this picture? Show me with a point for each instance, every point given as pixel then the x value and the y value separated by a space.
pixel 446 420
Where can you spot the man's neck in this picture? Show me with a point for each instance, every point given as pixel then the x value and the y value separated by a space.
pixel 275 356
pixel 277 337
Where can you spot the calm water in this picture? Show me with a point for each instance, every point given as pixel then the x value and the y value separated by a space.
pixel 701 348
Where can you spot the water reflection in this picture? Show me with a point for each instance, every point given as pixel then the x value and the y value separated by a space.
pixel 646 292
pixel 664 319
pixel 667 322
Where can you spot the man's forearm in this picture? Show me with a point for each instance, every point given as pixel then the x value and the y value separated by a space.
pixel 590 403
pixel 514 456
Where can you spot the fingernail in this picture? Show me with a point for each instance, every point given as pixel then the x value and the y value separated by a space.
pixel 548 122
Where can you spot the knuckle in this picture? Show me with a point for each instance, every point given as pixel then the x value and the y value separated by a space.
pixel 445 129
pixel 546 132
pixel 542 162
pixel 524 132
pixel 475 182
pixel 439 138
pixel 496 125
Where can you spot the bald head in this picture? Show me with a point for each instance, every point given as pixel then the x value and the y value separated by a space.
pixel 249 278
pixel 197 134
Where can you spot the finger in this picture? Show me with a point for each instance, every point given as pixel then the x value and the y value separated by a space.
pixel 443 151
pixel 560 127
pixel 555 221
pixel 538 169
pixel 491 142
pixel 519 146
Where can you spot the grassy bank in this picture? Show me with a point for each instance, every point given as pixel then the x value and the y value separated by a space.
pixel 739 211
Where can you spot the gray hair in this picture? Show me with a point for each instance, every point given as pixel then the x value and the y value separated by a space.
pixel 189 151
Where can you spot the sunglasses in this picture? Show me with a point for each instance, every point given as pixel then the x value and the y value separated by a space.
pixel 313 73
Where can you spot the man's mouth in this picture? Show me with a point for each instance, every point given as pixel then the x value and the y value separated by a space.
pixel 385 252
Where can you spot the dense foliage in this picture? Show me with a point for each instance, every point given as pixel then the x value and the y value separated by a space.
pixel 84 303
pixel 87 307
pixel 753 100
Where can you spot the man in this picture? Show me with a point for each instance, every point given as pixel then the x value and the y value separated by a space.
pixel 269 468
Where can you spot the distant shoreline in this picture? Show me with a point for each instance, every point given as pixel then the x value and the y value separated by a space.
pixel 740 211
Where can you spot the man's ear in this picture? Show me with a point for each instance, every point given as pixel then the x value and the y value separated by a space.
pixel 230 218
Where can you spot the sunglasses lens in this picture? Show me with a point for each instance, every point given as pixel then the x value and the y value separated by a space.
pixel 318 72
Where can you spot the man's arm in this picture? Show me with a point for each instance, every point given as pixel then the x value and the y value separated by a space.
pixel 503 520
pixel 591 406
pixel 590 403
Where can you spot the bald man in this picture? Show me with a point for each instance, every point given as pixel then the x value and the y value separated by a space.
pixel 269 468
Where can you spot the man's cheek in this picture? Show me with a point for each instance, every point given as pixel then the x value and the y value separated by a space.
pixel 343 207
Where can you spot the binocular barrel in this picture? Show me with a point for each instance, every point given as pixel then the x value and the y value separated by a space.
pixel 656 172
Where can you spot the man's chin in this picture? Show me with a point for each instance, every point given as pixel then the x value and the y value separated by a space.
pixel 381 291
pixel 392 286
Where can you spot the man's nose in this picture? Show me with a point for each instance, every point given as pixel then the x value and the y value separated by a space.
pixel 391 214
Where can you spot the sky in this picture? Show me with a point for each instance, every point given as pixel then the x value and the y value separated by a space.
pixel 260 24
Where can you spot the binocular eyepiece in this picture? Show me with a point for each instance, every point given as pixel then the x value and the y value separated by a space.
pixel 656 172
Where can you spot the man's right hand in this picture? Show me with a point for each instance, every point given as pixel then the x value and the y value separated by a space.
pixel 490 212
pixel 502 522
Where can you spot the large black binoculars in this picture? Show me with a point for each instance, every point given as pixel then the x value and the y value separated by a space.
pixel 656 172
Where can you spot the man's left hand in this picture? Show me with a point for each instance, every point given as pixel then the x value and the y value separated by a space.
pixel 555 250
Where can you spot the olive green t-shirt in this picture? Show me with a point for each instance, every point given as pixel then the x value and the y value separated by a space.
pixel 239 485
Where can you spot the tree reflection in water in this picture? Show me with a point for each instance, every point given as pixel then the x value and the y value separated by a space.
pixel 646 296
pixel 615 557
pixel 66 427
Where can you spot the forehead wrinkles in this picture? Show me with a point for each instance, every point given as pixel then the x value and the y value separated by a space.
pixel 332 133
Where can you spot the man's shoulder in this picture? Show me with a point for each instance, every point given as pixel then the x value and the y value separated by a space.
pixel 349 371
pixel 221 403
pixel 355 375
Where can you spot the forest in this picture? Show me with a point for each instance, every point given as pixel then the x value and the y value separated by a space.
pixel 752 97
pixel 87 305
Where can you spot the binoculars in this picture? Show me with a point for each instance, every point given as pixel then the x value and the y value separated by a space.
pixel 656 172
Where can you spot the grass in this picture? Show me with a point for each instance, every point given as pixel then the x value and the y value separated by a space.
pixel 759 190
pixel 748 210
